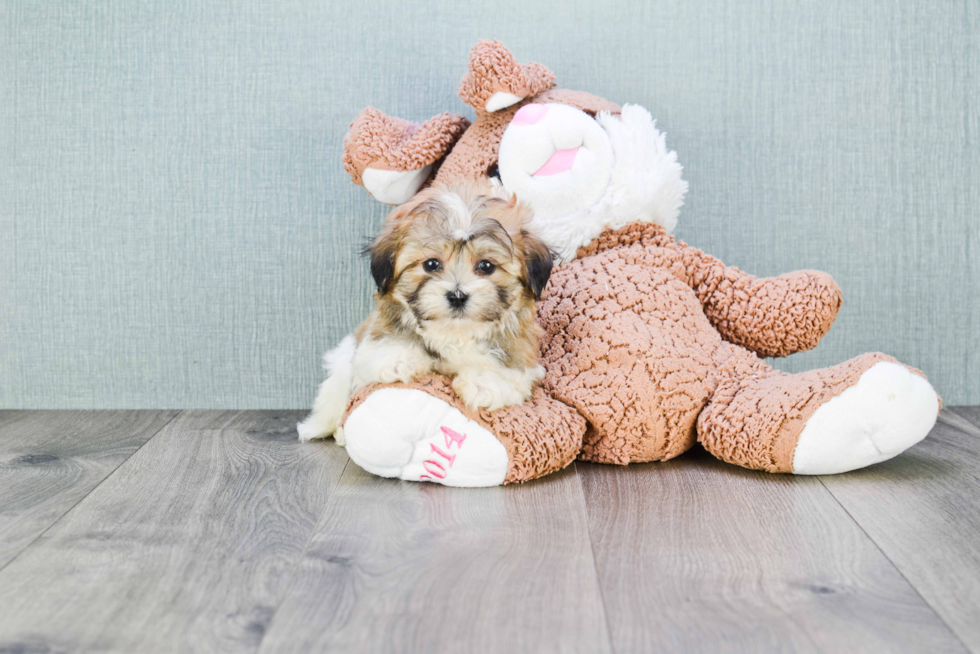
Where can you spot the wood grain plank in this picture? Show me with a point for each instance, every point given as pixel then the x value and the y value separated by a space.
pixel 695 555
pixel 407 567
pixel 8 416
pixel 188 547
pixel 49 460
pixel 923 510
pixel 965 418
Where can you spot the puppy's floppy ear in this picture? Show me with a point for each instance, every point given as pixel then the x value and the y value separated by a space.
pixel 383 250
pixel 538 261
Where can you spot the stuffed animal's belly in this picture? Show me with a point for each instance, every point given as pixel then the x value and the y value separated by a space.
pixel 630 348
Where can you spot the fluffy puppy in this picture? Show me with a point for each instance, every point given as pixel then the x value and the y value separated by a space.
pixel 458 275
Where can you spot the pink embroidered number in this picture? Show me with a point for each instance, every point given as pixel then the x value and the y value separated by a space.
pixel 453 437
pixel 448 457
pixel 435 467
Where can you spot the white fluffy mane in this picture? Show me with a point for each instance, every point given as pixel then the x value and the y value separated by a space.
pixel 645 186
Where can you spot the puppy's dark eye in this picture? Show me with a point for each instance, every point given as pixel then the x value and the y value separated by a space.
pixel 485 267
pixel 431 265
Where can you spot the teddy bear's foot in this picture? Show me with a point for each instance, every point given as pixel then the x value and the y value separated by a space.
pixel 825 421
pixel 887 411
pixel 409 434
pixel 422 431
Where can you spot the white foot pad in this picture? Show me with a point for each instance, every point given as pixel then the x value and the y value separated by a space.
pixel 887 411
pixel 409 434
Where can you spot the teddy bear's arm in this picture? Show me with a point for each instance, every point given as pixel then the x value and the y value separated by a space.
pixel 391 157
pixel 772 316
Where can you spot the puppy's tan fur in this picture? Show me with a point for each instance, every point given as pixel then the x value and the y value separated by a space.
pixel 458 275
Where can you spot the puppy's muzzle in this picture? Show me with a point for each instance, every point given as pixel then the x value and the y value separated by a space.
pixel 457 299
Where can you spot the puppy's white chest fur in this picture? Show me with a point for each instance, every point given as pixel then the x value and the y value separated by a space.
pixel 461 346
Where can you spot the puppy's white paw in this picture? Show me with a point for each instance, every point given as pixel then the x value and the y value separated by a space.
pixel 490 390
pixel 387 364
pixel 403 369
pixel 408 434
pixel 887 411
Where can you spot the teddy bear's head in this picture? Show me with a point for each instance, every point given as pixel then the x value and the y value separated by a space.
pixel 583 163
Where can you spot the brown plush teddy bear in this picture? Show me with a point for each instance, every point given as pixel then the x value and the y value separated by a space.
pixel 650 344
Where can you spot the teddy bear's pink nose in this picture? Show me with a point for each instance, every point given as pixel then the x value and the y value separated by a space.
pixel 530 114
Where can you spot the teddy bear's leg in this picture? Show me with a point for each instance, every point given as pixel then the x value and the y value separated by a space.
pixel 408 434
pixel 391 157
pixel 855 414
pixel 494 80
pixel 423 432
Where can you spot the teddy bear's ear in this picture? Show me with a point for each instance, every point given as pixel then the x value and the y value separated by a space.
pixel 391 157
pixel 495 80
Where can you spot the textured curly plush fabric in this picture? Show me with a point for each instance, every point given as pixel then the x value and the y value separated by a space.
pixel 629 347
pixel 493 69
pixel 540 436
pixel 387 143
pixel 633 344
pixel 773 317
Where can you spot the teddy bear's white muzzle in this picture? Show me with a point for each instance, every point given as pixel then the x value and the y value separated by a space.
pixel 556 158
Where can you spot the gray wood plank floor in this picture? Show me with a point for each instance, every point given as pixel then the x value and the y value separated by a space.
pixel 410 567
pixel 49 461
pixel 923 511
pixel 189 546
pixel 212 531
pixel 746 563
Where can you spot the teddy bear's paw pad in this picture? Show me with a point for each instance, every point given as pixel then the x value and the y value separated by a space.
pixel 409 434
pixel 501 100
pixel 887 411
pixel 394 186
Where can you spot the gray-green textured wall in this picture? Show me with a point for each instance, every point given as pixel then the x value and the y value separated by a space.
pixel 177 229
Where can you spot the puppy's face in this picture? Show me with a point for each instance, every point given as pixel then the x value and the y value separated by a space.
pixel 457 254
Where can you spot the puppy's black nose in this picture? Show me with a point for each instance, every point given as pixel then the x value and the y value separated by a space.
pixel 457 298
